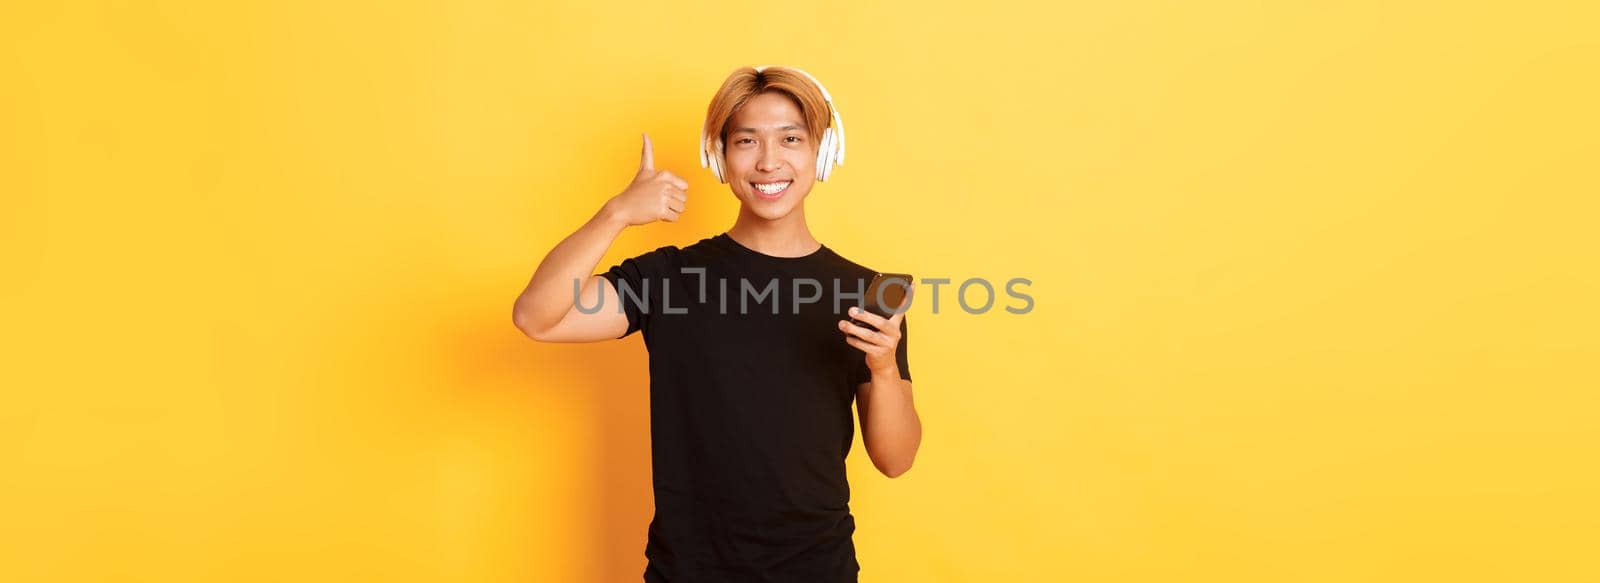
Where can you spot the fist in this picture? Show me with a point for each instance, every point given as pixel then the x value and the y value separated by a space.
pixel 653 195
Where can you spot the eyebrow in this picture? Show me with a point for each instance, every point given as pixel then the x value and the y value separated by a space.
pixel 786 128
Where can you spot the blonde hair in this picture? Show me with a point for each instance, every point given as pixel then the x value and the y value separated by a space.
pixel 746 82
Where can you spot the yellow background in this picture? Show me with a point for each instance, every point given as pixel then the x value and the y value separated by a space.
pixel 1315 286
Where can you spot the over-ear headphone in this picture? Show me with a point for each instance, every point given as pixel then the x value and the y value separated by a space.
pixel 830 153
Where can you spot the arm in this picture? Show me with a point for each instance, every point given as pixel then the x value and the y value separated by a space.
pixel 890 427
pixel 889 422
pixel 545 309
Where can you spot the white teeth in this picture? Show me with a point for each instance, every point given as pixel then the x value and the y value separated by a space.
pixel 773 188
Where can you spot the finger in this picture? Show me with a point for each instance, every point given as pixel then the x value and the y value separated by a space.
pixel 670 216
pixel 675 205
pixel 867 334
pixel 900 312
pixel 858 344
pixel 899 315
pixel 675 180
pixel 875 320
pixel 647 158
pixel 678 194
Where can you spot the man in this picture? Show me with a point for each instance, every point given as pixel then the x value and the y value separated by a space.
pixel 754 361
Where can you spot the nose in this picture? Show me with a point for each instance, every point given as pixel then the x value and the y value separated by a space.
pixel 769 159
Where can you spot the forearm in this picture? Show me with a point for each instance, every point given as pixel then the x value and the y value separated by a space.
pixel 549 293
pixel 890 425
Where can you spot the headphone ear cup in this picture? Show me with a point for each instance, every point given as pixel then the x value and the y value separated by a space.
pixel 833 150
pixel 709 153
pixel 824 157
pixel 716 162
pixel 825 154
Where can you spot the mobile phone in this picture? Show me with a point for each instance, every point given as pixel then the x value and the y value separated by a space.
pixel 891 288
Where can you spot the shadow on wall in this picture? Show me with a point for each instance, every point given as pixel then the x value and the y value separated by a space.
pixel 604 386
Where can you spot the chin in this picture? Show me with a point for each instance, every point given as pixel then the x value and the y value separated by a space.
pixel 772 214
pixel 770 211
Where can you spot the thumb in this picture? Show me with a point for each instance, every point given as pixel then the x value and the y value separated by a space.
pixel 647 158
pixel 900 310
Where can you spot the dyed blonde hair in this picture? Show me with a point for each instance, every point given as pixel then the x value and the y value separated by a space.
pixel 745 83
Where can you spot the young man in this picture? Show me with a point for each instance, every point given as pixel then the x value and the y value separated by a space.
pixel 754 362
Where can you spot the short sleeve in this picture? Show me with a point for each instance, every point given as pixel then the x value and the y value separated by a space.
pixel 864 374
pixel 638 282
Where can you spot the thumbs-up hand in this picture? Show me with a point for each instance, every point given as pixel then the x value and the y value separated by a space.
pixel 653 195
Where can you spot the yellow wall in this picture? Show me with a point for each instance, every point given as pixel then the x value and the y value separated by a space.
pixel 1315 286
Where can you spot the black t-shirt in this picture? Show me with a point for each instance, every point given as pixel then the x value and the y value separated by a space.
pixel 751 387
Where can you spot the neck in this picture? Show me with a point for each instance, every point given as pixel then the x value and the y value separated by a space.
pixel 784 237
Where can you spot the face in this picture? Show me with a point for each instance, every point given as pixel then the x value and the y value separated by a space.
pixel 768 147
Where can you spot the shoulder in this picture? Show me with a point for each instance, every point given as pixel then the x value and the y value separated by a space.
pixel 709 250
pixel 669 257
pixel 704 245
pixel 848 267
pixel 662 255
pixel 660 260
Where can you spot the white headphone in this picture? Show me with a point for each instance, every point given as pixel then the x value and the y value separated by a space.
pixel 829 154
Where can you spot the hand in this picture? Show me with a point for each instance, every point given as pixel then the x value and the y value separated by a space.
pixel 653 195
pixel 881 340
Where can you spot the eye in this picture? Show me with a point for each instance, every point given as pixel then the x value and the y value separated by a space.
pixel 794 139
pixel 745 140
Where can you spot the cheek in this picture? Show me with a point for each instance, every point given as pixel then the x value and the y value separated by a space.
pixel 803 160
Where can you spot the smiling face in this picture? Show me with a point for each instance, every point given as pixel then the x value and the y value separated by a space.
pixel 771 160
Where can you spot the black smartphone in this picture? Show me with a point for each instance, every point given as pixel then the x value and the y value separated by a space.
pixel 891 288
